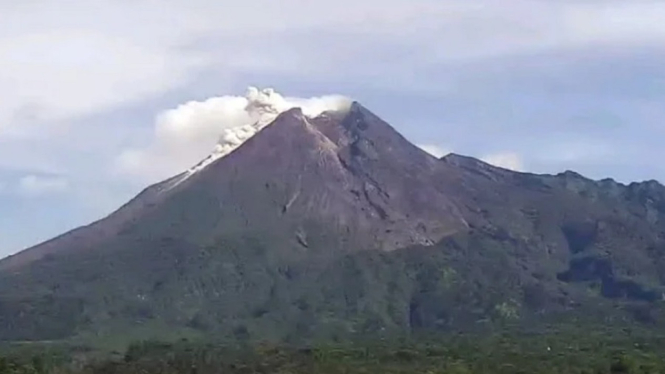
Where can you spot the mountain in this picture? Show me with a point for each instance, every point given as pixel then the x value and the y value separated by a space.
pixel 334 226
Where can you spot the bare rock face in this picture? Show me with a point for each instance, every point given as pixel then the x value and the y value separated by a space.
pixel 348 174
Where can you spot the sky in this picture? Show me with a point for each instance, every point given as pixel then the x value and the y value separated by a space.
pixel 533 85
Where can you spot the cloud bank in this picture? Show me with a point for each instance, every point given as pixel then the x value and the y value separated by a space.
pixel 78 57
pixel 34 185
pixel 506 160
pixel 204 131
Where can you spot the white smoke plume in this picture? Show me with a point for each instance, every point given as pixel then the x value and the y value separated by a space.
pixel 201 132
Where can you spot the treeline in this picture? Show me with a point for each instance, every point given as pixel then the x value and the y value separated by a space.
pixel 534 354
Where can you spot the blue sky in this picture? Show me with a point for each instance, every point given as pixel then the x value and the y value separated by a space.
pixel 535 85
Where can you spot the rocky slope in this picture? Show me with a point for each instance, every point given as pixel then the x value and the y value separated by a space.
pixel 351 231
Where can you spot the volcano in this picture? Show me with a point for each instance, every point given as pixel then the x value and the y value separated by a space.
pixel 333 225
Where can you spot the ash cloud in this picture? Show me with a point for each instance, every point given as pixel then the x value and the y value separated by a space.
pixel 195 134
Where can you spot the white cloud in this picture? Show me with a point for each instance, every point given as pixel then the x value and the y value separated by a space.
pixel 506 160
pixel 86 73
pixel 616 22
pixel 34 185
pixel 63 61
pixel 66 59
pixel 187 134
pixel 434 150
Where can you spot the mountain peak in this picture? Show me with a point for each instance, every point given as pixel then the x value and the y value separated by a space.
pixel 258 109
pixel 360 118
pixel 266 233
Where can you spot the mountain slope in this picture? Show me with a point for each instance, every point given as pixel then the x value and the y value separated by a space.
pixel 347 184
pixel 335 225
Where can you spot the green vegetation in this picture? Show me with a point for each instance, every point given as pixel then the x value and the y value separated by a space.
pixel 243 291
pixel 547 353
